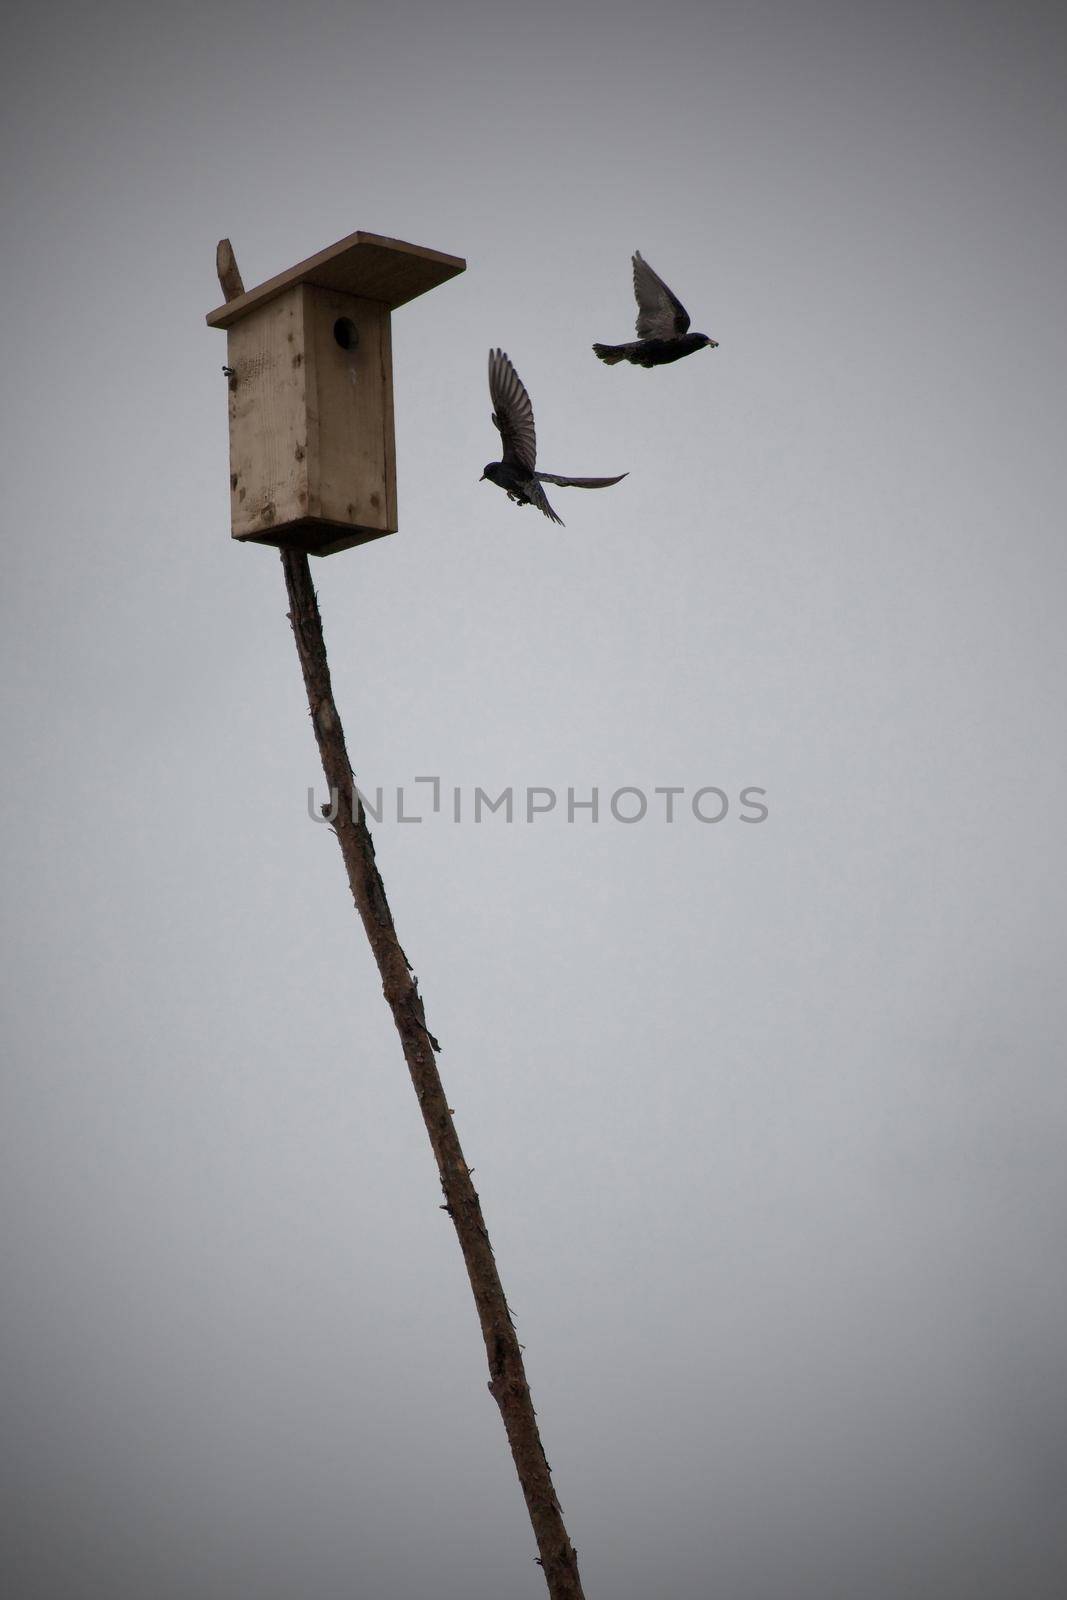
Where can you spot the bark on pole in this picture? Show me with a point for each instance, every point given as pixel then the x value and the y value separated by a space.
pixel 507 1375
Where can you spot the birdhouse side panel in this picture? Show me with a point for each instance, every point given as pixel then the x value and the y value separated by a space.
pixel 269 451
pixel 352 459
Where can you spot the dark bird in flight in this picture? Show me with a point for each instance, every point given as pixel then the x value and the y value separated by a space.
pixel 662 325
pixel 513 418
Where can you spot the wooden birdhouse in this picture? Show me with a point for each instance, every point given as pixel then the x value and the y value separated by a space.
pixel 312 457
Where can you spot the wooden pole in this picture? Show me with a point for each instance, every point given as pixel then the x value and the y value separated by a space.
pixel 507 1374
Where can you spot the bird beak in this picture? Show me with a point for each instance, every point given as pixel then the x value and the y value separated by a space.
pixel 482 478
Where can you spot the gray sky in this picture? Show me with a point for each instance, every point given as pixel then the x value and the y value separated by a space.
pixel 768 1121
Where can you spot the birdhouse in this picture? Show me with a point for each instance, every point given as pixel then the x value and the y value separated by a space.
pixel 309 361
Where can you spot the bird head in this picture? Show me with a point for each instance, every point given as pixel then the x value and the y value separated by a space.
pixel 491 472
pixel 712 344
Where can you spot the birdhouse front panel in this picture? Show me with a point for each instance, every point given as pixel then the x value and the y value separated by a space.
pixel 312 458
pixel 352 479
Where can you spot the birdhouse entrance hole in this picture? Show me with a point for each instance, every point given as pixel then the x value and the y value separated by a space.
pixel 346 333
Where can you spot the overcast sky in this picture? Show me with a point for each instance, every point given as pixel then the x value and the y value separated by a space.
pixel 768 1119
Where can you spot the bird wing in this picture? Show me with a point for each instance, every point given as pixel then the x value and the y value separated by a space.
pixel 581 483
pixel 660 314
pixel 539 498
pixel 512 413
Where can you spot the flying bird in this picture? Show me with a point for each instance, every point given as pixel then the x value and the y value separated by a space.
pixel 662 325
pixel 513 418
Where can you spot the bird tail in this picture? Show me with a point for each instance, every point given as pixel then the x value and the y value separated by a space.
pixel 611 353
pixel 579 483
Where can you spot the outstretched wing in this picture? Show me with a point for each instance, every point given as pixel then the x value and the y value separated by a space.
pixel 581 483
pixel 512 413
pixel 660 314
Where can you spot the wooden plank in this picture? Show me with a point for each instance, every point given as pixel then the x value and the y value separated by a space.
pixel 390 431
pixel 317 538
pixel 364 264
pixel 230 281
pixel 352 459
pixel 268 406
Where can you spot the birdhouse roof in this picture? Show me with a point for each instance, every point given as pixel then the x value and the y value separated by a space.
pixel 365 264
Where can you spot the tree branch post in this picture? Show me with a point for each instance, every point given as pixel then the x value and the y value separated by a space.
pixel 507 1375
